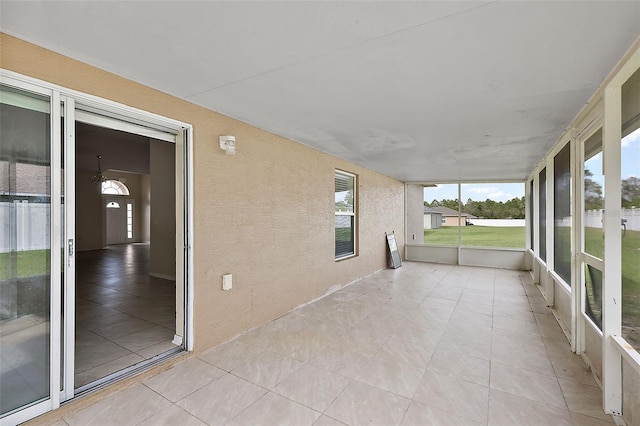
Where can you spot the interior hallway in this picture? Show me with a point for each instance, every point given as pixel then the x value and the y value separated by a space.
pixel 425 344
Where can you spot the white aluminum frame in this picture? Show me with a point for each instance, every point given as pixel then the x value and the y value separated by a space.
pixel 69 242
pixel 612 273
pixel 593 123
pixel 53 400
pixel 154 126
pixel 354 214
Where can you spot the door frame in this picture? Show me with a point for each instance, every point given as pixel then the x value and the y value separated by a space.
pixel 126 118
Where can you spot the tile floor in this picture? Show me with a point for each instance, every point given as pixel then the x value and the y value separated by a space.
pixel 422 345
pixel 123 315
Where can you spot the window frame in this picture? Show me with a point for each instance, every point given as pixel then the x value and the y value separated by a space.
pixel 353 215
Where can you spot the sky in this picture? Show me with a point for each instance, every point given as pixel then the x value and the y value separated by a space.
pixel 631 155
pixel 476 191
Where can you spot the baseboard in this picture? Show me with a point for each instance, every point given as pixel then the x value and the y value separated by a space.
pixel 177 340
pixel 163 276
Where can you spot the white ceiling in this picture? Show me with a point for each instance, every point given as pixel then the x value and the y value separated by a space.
pixel 421 91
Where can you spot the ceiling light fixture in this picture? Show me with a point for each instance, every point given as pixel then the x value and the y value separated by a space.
pixel 98 178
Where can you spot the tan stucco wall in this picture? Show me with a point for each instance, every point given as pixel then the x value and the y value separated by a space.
pixel 265 215
pixel 454 221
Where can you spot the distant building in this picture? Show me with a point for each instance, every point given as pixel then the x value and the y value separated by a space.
pixel 436 217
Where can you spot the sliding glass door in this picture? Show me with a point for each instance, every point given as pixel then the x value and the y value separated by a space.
pixel 26 255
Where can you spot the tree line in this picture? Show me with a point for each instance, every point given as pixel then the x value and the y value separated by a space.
pixel 487 209
pixel 593 199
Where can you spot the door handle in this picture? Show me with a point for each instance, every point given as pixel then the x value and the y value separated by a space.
pixel 70 251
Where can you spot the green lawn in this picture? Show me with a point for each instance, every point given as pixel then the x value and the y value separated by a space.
pixel 478 236
pixel 29 263
pixel 630 278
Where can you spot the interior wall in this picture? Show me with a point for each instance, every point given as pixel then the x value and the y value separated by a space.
pixel 265 215
pixel 89 212
pixel 162 262
pixel 145 208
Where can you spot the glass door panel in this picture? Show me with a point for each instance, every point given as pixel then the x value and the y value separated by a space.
pixel 25 244
pixel 593 235
pixel 630 203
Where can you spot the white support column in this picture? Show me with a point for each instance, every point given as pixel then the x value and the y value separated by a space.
pixel 577 288
pixel 536 227
pixel 459 226
pixel 612 274
pixel 528 214
pixel 535 217
pixel 550 290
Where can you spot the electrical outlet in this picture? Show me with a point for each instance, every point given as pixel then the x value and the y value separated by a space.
pixel 227 281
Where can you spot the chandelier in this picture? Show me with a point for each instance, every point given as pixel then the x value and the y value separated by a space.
pixel 98 178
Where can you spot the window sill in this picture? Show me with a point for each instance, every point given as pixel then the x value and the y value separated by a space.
pixel 349 256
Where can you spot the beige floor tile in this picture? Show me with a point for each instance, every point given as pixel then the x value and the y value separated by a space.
pixel 528 384
pixel 477 297
pixel 439 306
pixel 548 326
pixel 172 416
pixel 529 358
pixel 230 355
pixel 127 407
pixel 183 379
pixel 582 420
pixel 582 399
pixel 455 364
pixel 475 345
pixel 362 404
pixel 470 330
pixel 336 357
pixel 365 339
pixel 480 308
pixel 420 415
pixel 506 409
pixel 411 352
pixel 456 396
pixel 313 387
pixel 518 339
pixel 267 369
pixel 444 292
pixel 415 331
pixel 469 317
pixel 301 345
pixel 274 409
pixel 513 324
pixel 327 421
pixel 221 400
pixel 571 367
pixel 393 374
pixel 513 311
pixel 559 347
